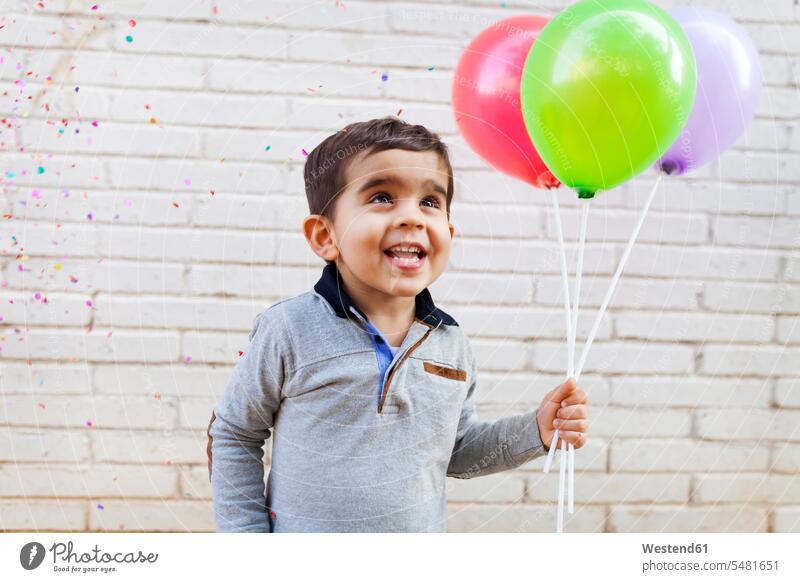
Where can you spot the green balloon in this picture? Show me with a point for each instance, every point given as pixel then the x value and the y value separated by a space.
pixel 606 90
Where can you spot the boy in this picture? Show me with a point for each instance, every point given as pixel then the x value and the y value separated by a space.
pixel 367 386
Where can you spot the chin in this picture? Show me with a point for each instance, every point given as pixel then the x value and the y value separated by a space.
pixel 404 289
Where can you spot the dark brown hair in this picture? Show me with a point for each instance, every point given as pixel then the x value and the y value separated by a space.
pixel 325 167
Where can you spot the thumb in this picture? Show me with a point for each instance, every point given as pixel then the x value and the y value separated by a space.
pixel 563 390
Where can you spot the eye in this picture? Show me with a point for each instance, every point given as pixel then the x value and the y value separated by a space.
pixel 380 195
pixel 433 200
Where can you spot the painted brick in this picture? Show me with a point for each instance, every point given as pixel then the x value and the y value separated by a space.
pixel 778 490
pixel 593 488
pixel 503 518
pixel 787 393
pixel 690 392
pixel 149 447
pixel 685 519
pixel 618 357
pixel 685 456
pixel 83 480
pixel 51 446
pixel 748 424
pixel 44 515
pixel 694 327
pixel 165 515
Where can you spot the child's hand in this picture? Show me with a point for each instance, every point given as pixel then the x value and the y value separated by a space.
pixel 564 409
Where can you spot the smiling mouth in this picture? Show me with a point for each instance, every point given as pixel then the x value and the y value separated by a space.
pixel 407 256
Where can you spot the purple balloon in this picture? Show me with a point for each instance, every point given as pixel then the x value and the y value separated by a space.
pixel 728 87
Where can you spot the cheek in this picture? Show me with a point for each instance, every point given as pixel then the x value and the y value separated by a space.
pixel 440 235
pixel 363 236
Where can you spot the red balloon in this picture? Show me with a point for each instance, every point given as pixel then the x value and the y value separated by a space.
pixel 486 99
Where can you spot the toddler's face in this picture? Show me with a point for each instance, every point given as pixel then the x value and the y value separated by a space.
pixel 390 225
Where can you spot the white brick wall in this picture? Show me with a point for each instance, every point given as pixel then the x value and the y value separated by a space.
pixel 159 225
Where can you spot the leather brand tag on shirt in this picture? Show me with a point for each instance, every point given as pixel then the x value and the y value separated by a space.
pixel 445 372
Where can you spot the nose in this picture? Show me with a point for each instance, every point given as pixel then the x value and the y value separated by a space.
pixel 408 214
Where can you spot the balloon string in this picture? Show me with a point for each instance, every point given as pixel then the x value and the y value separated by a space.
pixel 574 330
pixel 561 469
pixel 617 275
pixel 565 282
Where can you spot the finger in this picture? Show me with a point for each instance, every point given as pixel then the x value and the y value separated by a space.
pixel 578 439
pixel 574 411
pixel 578 397
pixel 579 425
pixel 562 391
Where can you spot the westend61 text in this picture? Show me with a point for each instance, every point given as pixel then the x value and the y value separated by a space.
pixel 670 549
pixel 65 553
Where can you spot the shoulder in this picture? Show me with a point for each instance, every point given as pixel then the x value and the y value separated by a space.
pixel 275 328
pixel 290 312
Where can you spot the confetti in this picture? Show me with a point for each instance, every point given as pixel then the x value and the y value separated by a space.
pixel 188 359
pixel 89 423
pixel 176 205
pixel 384 77
pixel 100 506
pixel 132 23
pixel 266 149
pixel 187 181
pixel 57 266
pixel 157 395
pixel 129 38
pixel 94 7
pixel 89 216
pixel 42 405
pixel 153 120
pixel 305 153
pixel 76 90
pixel 95 124
pixel 40 170
pixel 88 302
pixel 431 68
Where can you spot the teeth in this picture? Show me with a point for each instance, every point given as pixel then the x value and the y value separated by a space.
pixel 414 259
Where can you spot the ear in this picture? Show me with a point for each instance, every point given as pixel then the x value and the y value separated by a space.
pixel 452 230
pixel 319 234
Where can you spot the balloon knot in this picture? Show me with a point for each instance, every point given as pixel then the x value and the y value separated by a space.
pixel 670 168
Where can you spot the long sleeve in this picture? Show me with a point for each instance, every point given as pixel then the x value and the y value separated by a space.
pixel 484 447
pixel 239 427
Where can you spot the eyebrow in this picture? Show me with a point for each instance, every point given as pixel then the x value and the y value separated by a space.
pixel 392 179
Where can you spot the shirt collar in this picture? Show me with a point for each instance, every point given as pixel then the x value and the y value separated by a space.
pixel 331 288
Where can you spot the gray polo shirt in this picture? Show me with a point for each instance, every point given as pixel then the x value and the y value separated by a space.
pixel 362 438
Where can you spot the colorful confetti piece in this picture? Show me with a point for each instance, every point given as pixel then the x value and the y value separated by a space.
pixel 128 38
